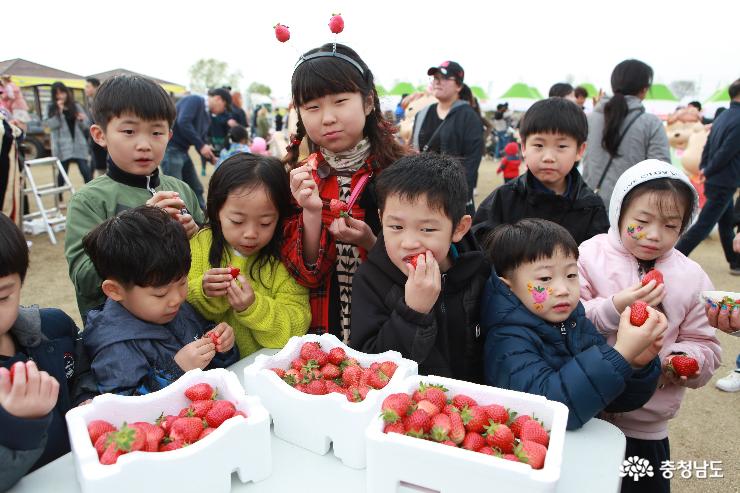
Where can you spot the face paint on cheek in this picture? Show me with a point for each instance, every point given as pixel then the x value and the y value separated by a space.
pixel 539 295
pixel 635 232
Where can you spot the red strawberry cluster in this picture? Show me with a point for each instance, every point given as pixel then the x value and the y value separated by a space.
pixel 319 373
pixel 339 208
pixel 193 423
pixel 489 429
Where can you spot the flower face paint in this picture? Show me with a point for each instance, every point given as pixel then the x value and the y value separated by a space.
pixel 539 295
pixel 635 231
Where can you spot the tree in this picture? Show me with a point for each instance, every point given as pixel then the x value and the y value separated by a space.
pixel 258 88
pixel 683 88
pixel 208 73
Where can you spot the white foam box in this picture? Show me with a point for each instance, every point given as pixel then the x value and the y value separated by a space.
pixel 394 459
pixel 239 444
pixel 315 422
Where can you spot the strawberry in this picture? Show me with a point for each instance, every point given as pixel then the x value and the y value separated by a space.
pixel 292 377
pixel 653 275
pixel 336 23
pixel 531 453
pixel 200 392
pixel 320 357
pixel 298 364
pixel 279 371
pixel 154 435
pixel 510 457
pixel 417 424
pixel 126 439
pixel 395 407
pixel 499 436
pixel 683 366
pixel 450 443
pixel 307 348
pixel 396 427
pixel 282 33
pixel 205 433
pixel 187 429
pixel 316 387
pixel 457 428
pixel 337 355
pixel 356 393
pixel 533 431
pixel 198 409
pixel 497 413
pixel 330 371
pixel 440 427
pixel 332 386
pixel 473 441
pixel 377 379
pixel 428 406
pixel 516 425
pixel 97 428
pixel 220 412
pixel 638 313
pixel 450 409
pixel 461 400
pixel 165 422
pixel 486 450
pixel 213 337
pixel 240 413
pixel 351 375
pixel 172 445
pixel 434 393
pixel 349 362
pixel 102 443
pixel 413 259
pixel 111 454
pixel 389 368
pixel 475 418
pixel 234 272
pixel 338 207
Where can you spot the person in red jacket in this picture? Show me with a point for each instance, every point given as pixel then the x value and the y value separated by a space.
pixel 510 162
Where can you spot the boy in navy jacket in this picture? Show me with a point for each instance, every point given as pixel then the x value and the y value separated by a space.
pixel 539 339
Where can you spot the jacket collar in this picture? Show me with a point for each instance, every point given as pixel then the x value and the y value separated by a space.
pixel 27 327
pixel 147 182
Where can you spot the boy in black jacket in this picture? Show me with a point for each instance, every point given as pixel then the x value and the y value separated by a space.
pixel 553 133
pixel 419 290
pixel 49 372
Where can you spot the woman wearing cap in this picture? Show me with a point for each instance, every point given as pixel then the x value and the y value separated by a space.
pixel 451 126
pixel 620 133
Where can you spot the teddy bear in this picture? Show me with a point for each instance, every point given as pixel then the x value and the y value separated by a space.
pixel 412 104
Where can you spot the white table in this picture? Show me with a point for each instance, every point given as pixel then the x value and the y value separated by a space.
pixel 591 459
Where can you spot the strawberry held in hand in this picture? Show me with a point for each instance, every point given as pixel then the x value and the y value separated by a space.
pixel 638 313
pixel 413 259
pixel 653 275
pixel 336 23
pixel 338 207
pixel 282 33
pixel 234 272
pixel 683 366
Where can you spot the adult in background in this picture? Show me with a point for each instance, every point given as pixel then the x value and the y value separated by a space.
pixel 720 169
pixel 67 123
pixel 451 126
pixel 237 109
pixel 620 133
pixel 502 128
pixel 562 90
pixel 99 154
pixel 11 97
pixel 191 129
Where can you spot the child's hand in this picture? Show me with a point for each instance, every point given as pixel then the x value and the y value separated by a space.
pixel 672 376
pixel 225 336
pixel 652 294
pixel 216 281
pixel 423 284
pixel 645 357
pixel 632 341
pixel 33 393
pixel 304 189
pixel 168 201
pixel 723 318
pixel 240 297
pixel 188 223
pixel 353 231
pixel 197 354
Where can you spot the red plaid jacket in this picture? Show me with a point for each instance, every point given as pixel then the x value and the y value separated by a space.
pixel 318 278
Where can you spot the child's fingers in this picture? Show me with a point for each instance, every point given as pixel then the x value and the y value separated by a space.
pixel 4 382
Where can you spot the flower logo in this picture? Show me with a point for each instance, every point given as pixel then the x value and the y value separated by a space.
pixel 636 468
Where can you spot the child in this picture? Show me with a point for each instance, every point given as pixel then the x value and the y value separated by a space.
pixel 427 309
pixel 248 199
pixel 539 340
pixel 239 143
pixel 652 204
pixel 510 162
pixel 553 135
pixel 133 117
pixel 338 109
pixel 145 336
pixel 51 375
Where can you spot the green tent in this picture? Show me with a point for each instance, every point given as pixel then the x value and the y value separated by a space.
pixel 590 88
pixel 380 90
pixel 402 88
pixel 536 92
pixel 721 95
pixel 660 92
pixel 522 91
pixel 422 88
pixel 479 93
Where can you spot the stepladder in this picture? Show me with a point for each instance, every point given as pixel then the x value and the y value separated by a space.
pixel 50 218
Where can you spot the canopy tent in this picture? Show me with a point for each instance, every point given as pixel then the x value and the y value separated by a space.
pixel 660 100
pixel 422 88
pixel 403 88
pixel 381 90
pixel 24 73
pixel 536 92
pixel 660 92
pixel 520 96
pixel 170 87
pixel 479 93
pixel 721 95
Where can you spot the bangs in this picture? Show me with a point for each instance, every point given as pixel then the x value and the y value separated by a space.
pixel 322 76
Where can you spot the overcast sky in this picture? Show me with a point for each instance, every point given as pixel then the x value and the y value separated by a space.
pixel 498 43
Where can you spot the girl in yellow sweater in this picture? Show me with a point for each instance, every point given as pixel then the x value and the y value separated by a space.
pixel 236 275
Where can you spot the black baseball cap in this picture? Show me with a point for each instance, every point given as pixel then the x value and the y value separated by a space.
pixel 448 69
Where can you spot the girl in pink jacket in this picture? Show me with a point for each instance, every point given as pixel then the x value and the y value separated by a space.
pixel 652 204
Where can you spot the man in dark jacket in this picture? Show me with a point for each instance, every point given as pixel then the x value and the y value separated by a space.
pixel 418 293
pixel 720 166
pixel 553 133
pixel 451 126
pixel 539 340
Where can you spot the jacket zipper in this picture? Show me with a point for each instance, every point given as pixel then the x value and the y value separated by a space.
pixel 564 333
pixel 442 293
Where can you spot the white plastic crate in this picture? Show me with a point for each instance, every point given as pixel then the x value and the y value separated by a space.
pixel 239 444
pixel 316 421
pixel 393 458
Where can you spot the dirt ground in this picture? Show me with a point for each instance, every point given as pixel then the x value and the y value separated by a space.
pixel 48 284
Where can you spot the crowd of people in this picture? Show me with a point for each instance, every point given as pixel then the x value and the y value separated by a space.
pixel 376 243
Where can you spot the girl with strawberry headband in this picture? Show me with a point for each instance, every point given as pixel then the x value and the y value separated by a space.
pixel 636 261
pixel 350 143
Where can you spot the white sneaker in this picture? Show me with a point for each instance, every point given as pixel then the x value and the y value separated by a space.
pixel 731 383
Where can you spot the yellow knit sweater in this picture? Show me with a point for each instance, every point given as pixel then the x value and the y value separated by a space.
pixel 280 309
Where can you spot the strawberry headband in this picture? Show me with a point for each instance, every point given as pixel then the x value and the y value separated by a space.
pixel 333 53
